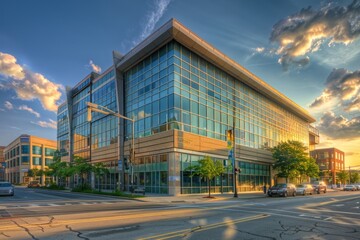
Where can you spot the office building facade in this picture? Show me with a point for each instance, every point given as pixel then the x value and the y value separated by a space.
pixel 25 153
pixel 184 95
pixel 2 163
pixel 330 161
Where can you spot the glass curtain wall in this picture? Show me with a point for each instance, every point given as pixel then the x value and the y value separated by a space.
pixel 104 131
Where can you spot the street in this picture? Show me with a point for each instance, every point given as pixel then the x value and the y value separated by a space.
pixel 42 214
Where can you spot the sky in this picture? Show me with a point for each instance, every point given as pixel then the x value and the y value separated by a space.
pixel 308 50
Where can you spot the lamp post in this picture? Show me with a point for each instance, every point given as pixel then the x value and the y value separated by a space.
pixel 101 109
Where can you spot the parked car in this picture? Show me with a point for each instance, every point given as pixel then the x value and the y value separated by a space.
pixel 304 189
pixel 319 187
pixel 34 184
pixel 349 188
pixel 357 187
pixel 282 189
pixel 6 189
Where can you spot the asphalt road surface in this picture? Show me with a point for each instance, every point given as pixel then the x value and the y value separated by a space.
pixel 38 214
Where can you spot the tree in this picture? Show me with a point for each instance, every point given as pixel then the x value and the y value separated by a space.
pixel 58 169
pixel 99 170
pixel 342 176
pixel 34 172
pixel 81 167
pixel 290 159
pixel 355 177
pixel 207 168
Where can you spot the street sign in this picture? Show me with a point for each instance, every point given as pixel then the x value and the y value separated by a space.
pixel 120 165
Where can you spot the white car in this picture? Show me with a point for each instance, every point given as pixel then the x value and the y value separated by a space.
pixel 349 188
pixel 304 189
pixel 6 189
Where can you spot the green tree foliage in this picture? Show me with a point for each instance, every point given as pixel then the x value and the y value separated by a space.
pixel 292 160
pixel 342 176
pixel 207 168
pixel 34 172
pixel 58 169
pixel 99 170
pixel 355 177
pixel 81 167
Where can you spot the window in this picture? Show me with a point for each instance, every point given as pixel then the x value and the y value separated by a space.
pixel 36 161
pixel 48 161
pixel 49 152
pixel 36 150
pixel 25 149
pixel 25 159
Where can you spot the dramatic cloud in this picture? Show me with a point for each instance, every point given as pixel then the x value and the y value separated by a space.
pixel 8 105
pixel 30 110
pixel 9 67
pixel 29 85
pixel 152 19
pixel 94 67
pixel 44 124
pixel 344 87
pixel 338 127
pixel 306 31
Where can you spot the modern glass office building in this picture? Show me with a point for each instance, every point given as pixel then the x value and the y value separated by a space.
pixel 183 95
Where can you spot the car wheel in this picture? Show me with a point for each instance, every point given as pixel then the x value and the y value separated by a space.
pixel 325 191
pixel 304 193
pixel 285 194
pixel 318 191
pixel 294 194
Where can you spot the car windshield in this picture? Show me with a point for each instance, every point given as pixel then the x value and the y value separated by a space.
pixel 5 185
pixel 280 185
pixel 300 185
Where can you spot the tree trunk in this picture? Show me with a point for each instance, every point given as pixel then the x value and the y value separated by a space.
pixel 209 186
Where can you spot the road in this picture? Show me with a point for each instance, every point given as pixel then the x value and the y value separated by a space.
pixel 39 214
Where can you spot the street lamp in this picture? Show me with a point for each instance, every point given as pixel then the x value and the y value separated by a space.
pixel 101 109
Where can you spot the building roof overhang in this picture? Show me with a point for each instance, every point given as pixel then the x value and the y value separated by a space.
pixel 174 30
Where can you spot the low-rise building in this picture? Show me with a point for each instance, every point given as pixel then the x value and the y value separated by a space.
pixel 28 152
pixel 330 161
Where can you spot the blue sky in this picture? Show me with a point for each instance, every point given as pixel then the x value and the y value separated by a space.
pixel 312 55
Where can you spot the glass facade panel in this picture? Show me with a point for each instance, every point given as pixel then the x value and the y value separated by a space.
pixel 49 152
pixel 36 150
pixel 25 149
pixel 36 161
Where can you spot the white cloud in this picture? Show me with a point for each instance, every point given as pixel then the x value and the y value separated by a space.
pixel 8 105
pixel 29 85
pixel 306 31
pixel 2 110
pixel 9 67
pixel 95 67
pixel 259 49
pixel 50 124
pixel 30 110
pixel 152 19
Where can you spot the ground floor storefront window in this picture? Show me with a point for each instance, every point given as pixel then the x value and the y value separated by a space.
pixel 151 173
pixel 253 177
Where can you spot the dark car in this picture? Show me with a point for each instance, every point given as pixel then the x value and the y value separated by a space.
pixel 319 187
pixel 6 189
pixel 34 184
pixel 282 189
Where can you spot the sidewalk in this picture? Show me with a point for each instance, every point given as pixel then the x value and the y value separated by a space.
pixel 195 198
